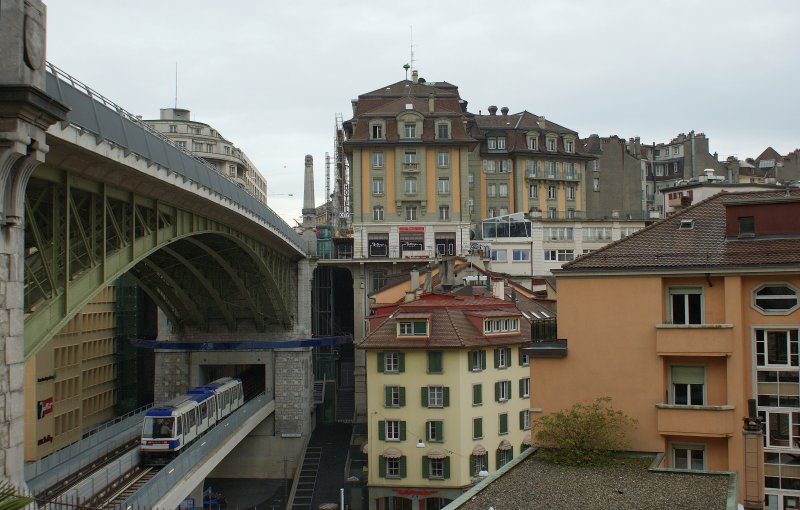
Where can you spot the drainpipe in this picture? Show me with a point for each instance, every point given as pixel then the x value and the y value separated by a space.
pixel 694 169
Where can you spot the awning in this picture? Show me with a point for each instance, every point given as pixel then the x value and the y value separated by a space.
pixel 479 450
pixel 436 453
pixel 527 439
pixel 504 445
pixel 392 453
pixel 364 448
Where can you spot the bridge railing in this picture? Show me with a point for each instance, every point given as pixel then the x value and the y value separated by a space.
pixel 172 474
pixel 93 112
pixel 58 465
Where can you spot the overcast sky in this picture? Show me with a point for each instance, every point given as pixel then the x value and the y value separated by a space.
pixel 271 76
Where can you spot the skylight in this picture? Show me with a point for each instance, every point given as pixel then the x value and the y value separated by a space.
pixel 686 225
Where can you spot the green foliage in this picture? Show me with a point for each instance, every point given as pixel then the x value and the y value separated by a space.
pixel 9 499
pixel 584 434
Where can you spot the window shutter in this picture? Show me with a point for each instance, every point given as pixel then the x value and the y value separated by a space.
pixel 446 396
pixel 688 374
pixel 425 467
pixel 403 466
pixel 402 431
pixel 498 459
pixel 497 392
pixel 402 396
pixel 522 420
pixel 387 396
pixel 508 385
pixel 401 361
pixel 476 394
pixel 483 359
pixel 382 430
pixel 440 429
pixel 382 467
pixel 446 467
pixel 511 453
pixel 424 396
pixel 508 357
pixel 497 358
pixel 477 427
pixel 470 356
pixel 380 362
pixel 503 423
pixel 521 387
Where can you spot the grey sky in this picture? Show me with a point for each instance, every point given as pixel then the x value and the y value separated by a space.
pixel 271 76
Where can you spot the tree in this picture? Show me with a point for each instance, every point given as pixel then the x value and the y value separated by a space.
pixel 9 500
pixel 584 434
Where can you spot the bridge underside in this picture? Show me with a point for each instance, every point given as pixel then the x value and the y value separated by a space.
pixel 208 274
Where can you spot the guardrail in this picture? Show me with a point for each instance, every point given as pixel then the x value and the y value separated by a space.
pixel 59 465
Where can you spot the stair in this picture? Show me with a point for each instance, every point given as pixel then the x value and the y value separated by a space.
pixel 307 480
pixel 345 405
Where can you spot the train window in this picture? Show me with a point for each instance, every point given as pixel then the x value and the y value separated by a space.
pixel 180 426
pixel 204 410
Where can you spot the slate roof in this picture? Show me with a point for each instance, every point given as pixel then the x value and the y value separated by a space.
pixel 450 324
pixel 663 245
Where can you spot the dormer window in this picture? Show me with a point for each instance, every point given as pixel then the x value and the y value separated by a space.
pixel 747 226
pixel 532 143
pixel 410 129
pixel 412 328
pixel 496 326
pixel 442 131
pixel 376 131
pixel 569 146
pixel 551 143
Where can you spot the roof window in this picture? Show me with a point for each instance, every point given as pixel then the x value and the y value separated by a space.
pixel 686 225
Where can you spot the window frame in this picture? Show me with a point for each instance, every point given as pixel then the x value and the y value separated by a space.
pixel 378 188
pixel 410 130
pixel 443 185
pixel 443 159
pixel 686 291
pixel 377 213
pixel 689 395
pixel 411 213
pixel 689 447
pixel 444 213
pixel 410 186
pixel 378 160
pixel 754 298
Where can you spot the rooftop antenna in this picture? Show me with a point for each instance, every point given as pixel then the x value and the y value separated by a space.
pixel 176 84
pixel 411 27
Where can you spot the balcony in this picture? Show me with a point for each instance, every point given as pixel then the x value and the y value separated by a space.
pixel 411 167
pixel 694 339
pixel 546 344
pixel 703 421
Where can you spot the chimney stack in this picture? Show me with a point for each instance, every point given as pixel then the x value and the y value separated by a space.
pixel 431 104
pixel 492 110
pixel 504 110
pixel 414 76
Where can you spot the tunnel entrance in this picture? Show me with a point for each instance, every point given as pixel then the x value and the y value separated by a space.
pixel 253 376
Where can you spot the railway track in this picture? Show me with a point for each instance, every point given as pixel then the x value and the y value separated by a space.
pixel 122 488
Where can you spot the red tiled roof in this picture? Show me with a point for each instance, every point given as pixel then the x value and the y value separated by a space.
pixel 663 245
pixel 450 326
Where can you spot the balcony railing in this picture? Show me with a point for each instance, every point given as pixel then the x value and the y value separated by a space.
pixel 411 167
pixel 546 344
pixel 703 421
pixel 694 339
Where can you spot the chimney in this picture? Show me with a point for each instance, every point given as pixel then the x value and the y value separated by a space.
pixel 504 110
pixel 492 110
pixel 414 76
pixel 540 122
pixel 431 104
pixel 414 280
pixel 499 290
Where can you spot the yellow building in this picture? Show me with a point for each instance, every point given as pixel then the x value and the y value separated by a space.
pixel 70 384
pixel 447 397
pixel 683 324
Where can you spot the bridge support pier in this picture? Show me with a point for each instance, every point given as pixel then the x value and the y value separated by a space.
pixel 26 112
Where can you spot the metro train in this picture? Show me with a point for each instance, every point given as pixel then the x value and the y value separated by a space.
pixel 170 427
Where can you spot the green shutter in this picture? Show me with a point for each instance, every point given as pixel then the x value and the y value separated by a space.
pixel 387 396
pixel 382 467
pixel 511 453
pixel 434 362
pixel 521 388
pixel 508 357
pixel 446 467
pixel 503 423
pixel 402 431
pixel 522 420
pixel 382 430
pixel 440 426
pixel 424 395
pixel 483 360
pixel 401 361
pixel 403 466
pixel 497 392
pixel 402 396
pixel 477 428
pixel 509 389
pixel 497 358
pixel 446 396
pixel 519 356
pixel 477 397
pixel 497 460
pixel 380 362
pixel 425 467
pixel 469 360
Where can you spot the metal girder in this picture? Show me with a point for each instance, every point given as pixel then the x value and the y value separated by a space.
pixel 82 235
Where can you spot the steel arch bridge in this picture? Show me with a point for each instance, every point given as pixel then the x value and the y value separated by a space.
pixel 116 198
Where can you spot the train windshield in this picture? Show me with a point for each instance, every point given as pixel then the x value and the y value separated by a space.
pixel 158 427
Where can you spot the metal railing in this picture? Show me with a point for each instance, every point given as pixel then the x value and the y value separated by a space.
pixel 544 330
pixel 46 471
pixel 132 134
